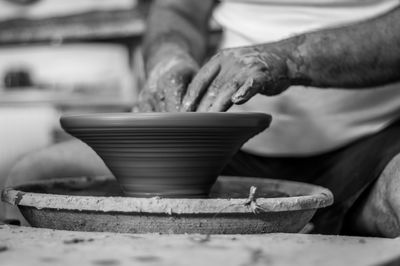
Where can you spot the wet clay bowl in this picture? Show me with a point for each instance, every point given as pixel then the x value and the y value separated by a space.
pixel 166 154
pixel 98 204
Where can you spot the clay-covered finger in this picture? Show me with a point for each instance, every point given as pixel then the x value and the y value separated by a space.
pixel 159 98
pixel 210 95
pixel 224 99
pixel 175 87
pixel 251 87
pixel 199 85
pixel 143 107
pixel 144 104
pixel 147 103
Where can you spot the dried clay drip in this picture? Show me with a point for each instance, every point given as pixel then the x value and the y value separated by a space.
pixel 249 202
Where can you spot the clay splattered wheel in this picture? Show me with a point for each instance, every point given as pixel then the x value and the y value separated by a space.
pixel 98 204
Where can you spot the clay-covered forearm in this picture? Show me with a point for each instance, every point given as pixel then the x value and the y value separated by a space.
pixel 176 26
pixel 357 56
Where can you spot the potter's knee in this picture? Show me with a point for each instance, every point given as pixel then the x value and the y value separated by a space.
pixel 25 169
pixel 67 159
pixel 389 183
pixel 387 197
pixel 379 213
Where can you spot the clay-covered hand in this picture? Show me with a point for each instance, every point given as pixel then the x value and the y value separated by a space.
pixel 235 75
pixel 167 83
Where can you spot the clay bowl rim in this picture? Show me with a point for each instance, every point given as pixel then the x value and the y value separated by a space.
pixel 317 197
pixel 166 120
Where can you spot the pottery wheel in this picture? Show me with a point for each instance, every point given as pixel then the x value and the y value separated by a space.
pixel 97 204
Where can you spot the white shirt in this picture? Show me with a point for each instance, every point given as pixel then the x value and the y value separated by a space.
pixel 307 121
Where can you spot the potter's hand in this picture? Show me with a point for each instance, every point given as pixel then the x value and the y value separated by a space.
pixel 167 83
pixel 235 75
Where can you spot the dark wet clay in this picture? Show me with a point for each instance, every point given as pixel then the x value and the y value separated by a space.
pixel 166 154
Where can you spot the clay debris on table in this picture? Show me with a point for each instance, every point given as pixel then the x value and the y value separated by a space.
pixel 31 246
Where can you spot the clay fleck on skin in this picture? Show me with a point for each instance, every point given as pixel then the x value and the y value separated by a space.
pixel 167 84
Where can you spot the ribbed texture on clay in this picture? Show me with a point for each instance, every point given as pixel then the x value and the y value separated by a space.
pixel 166 161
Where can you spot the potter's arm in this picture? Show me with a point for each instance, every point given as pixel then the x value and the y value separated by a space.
pixel 360 55
pixel 174 45
pixel 176 26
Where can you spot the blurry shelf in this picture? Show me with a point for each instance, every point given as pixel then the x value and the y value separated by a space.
pixel 99 25
pixel 94 26
pixel 59 99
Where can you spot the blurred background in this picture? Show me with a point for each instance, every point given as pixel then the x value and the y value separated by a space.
pixel 60 57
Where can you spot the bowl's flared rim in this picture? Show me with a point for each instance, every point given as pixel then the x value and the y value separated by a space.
pixel 315 197
pixel 170 120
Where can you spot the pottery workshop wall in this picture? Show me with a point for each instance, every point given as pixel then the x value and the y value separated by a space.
pixel 60 57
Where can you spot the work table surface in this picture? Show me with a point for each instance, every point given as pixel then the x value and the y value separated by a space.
pixel 32 246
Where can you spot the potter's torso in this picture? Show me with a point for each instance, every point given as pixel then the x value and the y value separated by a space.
pixel 308 120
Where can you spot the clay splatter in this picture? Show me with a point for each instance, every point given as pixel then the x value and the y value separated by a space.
pixel 48 259
pixel 134 237
pixel 146 258
pixel 12 222
pixel 106 262
pixel 258 256
pixel 77 240
pixel 200 238
pixel 19 197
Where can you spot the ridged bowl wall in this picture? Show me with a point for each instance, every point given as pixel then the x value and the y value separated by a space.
pixel 166 154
